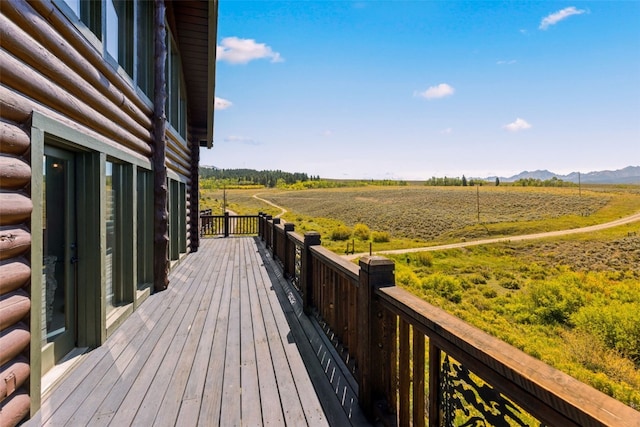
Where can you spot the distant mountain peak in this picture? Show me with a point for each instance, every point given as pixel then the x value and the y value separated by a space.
pixel 628 175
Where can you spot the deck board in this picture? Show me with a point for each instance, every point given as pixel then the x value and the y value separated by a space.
pixel 216 348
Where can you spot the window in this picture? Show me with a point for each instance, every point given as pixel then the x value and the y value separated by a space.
pixel 145 46
pixel 124 29
pixel 144 243
pixel 119 235
pixel 90 13
pixel 176 102
pixel 119 32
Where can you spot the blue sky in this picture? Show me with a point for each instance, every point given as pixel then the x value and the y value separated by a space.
pixel 414 89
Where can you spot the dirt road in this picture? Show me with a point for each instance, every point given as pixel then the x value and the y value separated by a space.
pixel 282 210
pixel 589 229
pixel 626 220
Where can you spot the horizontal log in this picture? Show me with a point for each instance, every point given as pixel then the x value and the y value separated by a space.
pixel 21 103
pixel 28 50
pixel 15 208
pixel 59 42
pixel 13 140
pixel 13 341
pixel 14 242
pixel 180 170
pixel 14 173
pixel 15 273
pixel 13 375
pixel 15 408
pixel 12 108
pixel 179 146
pixel 177 163
pixel 21 77
pixel 14 307
pixel 178 155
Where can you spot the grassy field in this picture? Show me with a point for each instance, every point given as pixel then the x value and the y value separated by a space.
pixel 415 216
pixel 572 301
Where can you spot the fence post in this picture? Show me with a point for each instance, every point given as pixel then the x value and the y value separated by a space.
pixel 226 224
pixel 267 230
pixel 375 334
pixel 311 238
pixel 260 226
pixel 274 238
pixel 288 268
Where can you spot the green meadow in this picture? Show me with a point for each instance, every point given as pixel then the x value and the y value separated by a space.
pixel 572 301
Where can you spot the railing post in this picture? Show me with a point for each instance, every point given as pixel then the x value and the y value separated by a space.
pixel 226 224
pixel 375 335
pixel 268 230
pixel 435 374
pixel 274 238
pixel 288 268
pixel 260 226
pixel 311 238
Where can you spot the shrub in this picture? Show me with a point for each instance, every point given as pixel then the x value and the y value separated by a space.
pixel 616 324
pixel 342 232
pixel 510 284
pixel 425 259
pixel 361 231
pixel 554 302
pixel 490 293
pixel 445 286
pixel 380 236
pixel 478 279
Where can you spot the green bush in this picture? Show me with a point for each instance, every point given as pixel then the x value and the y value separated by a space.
pixel 616 324
pixel 445 286
pixel 380 237
pixel 424 259
pixel 512 284
pixel 553 301
pixel 478 279
pixel 342 232
pixel 361 231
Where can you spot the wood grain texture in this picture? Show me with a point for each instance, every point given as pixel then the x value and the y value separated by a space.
pixel 14 241
pixel 13 139
pixel 15 173
pixel 15 273
pixel 14 307
pixel 189 354
pixel 550 395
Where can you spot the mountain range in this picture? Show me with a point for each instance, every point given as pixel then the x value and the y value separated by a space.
pixel 628 175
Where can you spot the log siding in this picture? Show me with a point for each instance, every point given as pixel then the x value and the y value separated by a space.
pixel 56 86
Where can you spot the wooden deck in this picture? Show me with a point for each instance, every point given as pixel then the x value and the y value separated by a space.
pixel 226 345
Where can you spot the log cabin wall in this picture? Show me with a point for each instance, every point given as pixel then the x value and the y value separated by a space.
pixel 58 88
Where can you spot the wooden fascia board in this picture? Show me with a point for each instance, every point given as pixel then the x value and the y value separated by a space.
pixel 211 80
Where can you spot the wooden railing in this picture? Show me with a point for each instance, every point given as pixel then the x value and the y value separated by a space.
pixel 226 225
pixel 414 363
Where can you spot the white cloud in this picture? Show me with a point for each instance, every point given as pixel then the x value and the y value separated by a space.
pixel 327 133
pixel 446 131
pixel 507 62
pixel 440 91
pixel 558 16
pixel 241 140
pixel 221 104
pixel 518 125
pixel 240 51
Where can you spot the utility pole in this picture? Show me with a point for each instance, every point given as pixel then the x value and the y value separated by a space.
pixel 579 186
pixel 224 198
pixel 478 201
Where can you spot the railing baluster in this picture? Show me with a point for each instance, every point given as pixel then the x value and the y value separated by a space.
pixel 434 385
pixel 404 371
pixel 418 378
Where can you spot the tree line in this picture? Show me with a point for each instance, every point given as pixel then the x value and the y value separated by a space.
pixel 267 178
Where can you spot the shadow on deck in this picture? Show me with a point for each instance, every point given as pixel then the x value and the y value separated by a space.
pixel 226 344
